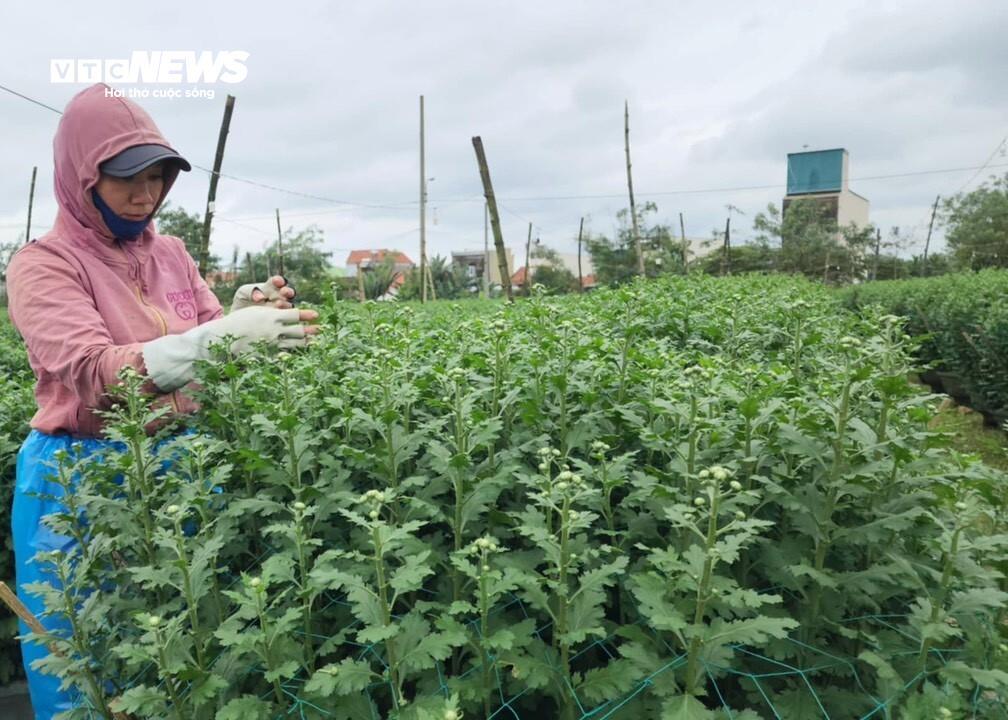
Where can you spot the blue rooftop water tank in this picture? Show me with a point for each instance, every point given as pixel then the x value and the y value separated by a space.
pixel 815 172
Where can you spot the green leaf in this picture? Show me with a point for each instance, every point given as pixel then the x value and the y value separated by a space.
pixel 609 682
pixel 282 671
pixel 410 575
pixel 247 707
pixel 967 677
pixel 749 631
pixel 207 689
pixel 142 700
pixel 344 678
pixel 649 588
pixel 684 707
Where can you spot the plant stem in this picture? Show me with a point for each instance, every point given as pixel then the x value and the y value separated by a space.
pixel 703 593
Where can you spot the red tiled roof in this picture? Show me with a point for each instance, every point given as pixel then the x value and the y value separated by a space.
pixel 368 257
pixel 519 277
pixel 588 281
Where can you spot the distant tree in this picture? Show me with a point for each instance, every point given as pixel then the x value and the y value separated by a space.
pixel 450 281
pixel 188 227
pixel 812 243
pixel 615 261
pixel 748 258
pixel 306 266
pixel 552 274
pixel 977 225
pixel 378 278
pixel 7 250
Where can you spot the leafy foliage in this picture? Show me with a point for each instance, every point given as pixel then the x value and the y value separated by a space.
pixel 630 504
pixel 615 260
pixel 188 227
pixel 977 225
pixel 963 322
pixel 17 404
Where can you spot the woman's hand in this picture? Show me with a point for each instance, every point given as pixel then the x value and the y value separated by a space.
pixel 275 292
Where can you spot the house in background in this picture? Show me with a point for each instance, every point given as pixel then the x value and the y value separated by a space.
pixel 588 282
pixel 821 175
pixel 365 259
pixel 568 261
pixel 473 262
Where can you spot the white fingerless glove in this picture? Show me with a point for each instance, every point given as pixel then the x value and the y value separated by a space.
pixel 257 294
pixel 170 359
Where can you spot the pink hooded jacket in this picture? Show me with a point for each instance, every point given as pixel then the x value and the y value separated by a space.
pixel 84 302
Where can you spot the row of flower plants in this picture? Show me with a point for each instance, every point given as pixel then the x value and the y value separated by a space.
pixel 963 321
pixel 687 499
pixel 17 405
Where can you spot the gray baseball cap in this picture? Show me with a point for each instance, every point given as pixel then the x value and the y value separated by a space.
pixel 134 159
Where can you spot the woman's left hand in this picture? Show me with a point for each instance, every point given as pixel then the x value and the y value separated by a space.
pixel 274 291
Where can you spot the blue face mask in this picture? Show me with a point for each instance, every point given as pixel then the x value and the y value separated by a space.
pixel 122 229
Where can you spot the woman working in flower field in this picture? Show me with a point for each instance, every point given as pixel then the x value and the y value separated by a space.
pixel 103 291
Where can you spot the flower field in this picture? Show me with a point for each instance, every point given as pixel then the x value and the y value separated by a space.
pixel 686 499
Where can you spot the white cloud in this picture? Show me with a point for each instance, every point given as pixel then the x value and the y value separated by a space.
pixel 719 93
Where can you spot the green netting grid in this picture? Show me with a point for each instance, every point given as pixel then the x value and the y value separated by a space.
pixel 508 705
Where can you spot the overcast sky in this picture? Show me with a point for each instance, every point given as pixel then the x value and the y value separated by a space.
pixel 719 93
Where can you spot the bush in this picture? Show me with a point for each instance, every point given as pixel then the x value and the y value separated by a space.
pixel 17 405
pixel 963 319
pixel 641 502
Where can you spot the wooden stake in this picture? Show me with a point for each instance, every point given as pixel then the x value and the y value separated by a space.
pixel 360 283
pixel 725 256
pixel 486 250
pixel 214 177
pixel 430 279
pixel 580 233
pixel 17 607
pixel 629 181
pixel 878 247
pixel 251 266
pixel 280 245
pixel 527 284
pixel 685 247
pixel 927 243
pixel 494 217
pixel 31 201
pixel 423 211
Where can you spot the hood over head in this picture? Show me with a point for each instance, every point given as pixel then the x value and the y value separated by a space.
pixel 95 127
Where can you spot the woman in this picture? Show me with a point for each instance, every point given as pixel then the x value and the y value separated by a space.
pixel 102 291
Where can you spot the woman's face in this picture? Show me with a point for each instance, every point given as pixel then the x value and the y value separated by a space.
pixel 134 197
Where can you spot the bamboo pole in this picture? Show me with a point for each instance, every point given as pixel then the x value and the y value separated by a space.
pixel 430 279
pixel 527 284
pixel 214 177
pixel 360 283
pixel 685 247
pixel 927 243
pixel 580 233
pixel 423 211
pixel 629 180
pixel 494 217
pixel 280 245
pixel 31 202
